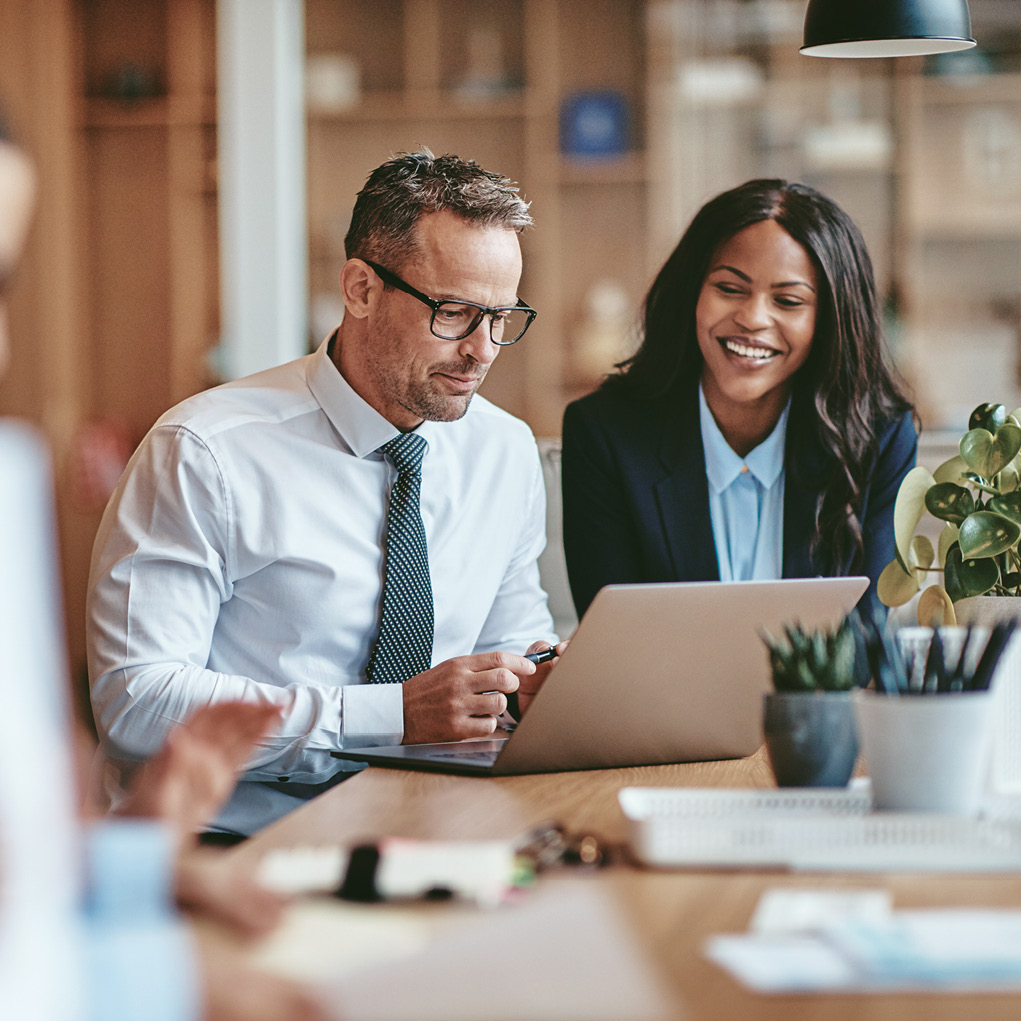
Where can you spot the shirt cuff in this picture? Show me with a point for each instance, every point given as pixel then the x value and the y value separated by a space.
pixel 146 970
pixel 139 957
pixel 373 714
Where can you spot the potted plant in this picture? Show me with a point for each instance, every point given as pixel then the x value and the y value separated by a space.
pixel 808 719
pixel 925 732
pixel 977 496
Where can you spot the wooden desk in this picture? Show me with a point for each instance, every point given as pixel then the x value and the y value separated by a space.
pixel 673 911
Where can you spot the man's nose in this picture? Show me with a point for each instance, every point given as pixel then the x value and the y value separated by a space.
pixel 479 345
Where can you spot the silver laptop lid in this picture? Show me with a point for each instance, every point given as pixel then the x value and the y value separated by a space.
pixel 667 673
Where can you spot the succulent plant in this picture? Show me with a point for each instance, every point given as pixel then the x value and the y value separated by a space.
pixel 813 660
pixel 978 496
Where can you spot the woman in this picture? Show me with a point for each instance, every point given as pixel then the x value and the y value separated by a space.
pixel 759 431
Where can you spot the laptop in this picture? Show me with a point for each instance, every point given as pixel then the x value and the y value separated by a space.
pixel 655 673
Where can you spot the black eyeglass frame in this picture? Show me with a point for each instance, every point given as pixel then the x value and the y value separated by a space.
pixel 391 278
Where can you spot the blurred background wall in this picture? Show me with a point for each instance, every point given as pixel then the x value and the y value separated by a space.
pixel 617 117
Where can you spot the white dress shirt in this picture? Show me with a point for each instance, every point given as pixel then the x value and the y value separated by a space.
pixel 241 557
pixel 745 500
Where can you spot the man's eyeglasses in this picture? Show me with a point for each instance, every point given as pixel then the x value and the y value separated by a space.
pixel 455 320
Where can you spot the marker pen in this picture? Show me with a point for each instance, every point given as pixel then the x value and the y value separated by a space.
pixel 542 657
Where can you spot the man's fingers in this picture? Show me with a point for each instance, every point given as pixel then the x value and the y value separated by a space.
pixel 476 726
pixel 494 680
pixel 490 703
pixel 481 662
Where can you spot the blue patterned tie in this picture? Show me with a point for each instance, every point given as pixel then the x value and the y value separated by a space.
pixel 405 643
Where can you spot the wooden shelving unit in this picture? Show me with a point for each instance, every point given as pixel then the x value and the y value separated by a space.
pixel 116 305
pixel 417 59
pixel 148 123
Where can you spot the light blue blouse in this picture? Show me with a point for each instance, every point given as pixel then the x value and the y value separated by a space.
pixel 745 500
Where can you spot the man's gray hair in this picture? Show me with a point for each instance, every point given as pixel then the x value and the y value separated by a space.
pixel 398 193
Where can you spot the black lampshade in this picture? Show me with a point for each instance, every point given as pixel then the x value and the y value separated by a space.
pixel 886 28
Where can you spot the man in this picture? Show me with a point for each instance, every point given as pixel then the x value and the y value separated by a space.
pixel 246 554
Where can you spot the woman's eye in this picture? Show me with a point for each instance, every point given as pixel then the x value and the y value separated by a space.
pixel 790 302
pixel 728 289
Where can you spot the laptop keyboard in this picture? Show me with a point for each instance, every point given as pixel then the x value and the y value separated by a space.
pixel 482 758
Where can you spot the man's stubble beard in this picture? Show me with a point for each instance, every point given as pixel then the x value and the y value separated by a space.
pixel 425 401
pixel 422 398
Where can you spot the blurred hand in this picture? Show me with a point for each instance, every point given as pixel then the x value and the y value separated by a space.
pixel 209 884
pixel 234 990
pixel 188 780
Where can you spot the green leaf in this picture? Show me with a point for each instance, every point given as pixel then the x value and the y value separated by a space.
pixel 988 416
pixel 920 556
pixel 935 608
pixel 909 508
pixel 1010 476
pixel 895 586
pixel 1007 505
pixel 949 502
pixel 986 534
pixel 949 535
pixel 952 470
pixel 840 676
pixel 968 577
pixel 804 677
pixel 986 452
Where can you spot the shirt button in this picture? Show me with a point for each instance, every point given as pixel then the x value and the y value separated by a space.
pixel 744 469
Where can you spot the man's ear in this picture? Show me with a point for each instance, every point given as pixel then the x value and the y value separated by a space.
pixel 360 287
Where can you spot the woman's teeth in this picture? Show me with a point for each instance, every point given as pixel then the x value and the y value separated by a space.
pixel 758 353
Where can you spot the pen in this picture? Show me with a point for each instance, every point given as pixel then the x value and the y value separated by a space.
pixel 542 657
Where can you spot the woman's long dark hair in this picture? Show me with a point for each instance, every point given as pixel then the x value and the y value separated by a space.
pixel 846 391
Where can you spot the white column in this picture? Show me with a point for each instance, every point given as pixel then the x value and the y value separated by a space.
pixel 262 196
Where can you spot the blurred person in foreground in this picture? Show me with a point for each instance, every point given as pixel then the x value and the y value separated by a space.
pixel 88 926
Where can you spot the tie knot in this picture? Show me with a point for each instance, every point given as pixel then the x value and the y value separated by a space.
pixel 406 451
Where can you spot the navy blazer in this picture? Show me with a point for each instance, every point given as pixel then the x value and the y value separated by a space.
pixel 636 497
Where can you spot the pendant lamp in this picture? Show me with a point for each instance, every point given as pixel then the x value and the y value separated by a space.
pixel 886 28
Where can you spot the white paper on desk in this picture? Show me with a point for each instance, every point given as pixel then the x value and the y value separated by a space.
pixel 326 938
pixel 563 953
pixel 952 948
pixel 796 910
pixel 786 963
pixel 862 948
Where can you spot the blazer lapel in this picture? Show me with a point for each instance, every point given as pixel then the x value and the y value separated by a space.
pixel 682 496
pixel 803 461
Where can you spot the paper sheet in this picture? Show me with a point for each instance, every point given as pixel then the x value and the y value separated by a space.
pixel 563 953
pixel 850 941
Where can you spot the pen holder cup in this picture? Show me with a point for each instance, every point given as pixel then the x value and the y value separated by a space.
pixel 926 753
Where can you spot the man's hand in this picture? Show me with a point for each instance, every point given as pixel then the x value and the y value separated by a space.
pixel 530 685
pixel 461 697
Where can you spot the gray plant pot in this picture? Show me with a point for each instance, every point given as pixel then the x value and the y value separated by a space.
pixel 810 737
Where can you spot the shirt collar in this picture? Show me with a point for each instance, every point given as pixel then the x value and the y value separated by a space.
pixel 360 426
pixel 722 465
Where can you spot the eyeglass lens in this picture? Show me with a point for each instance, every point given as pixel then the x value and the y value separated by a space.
pixel 452 321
